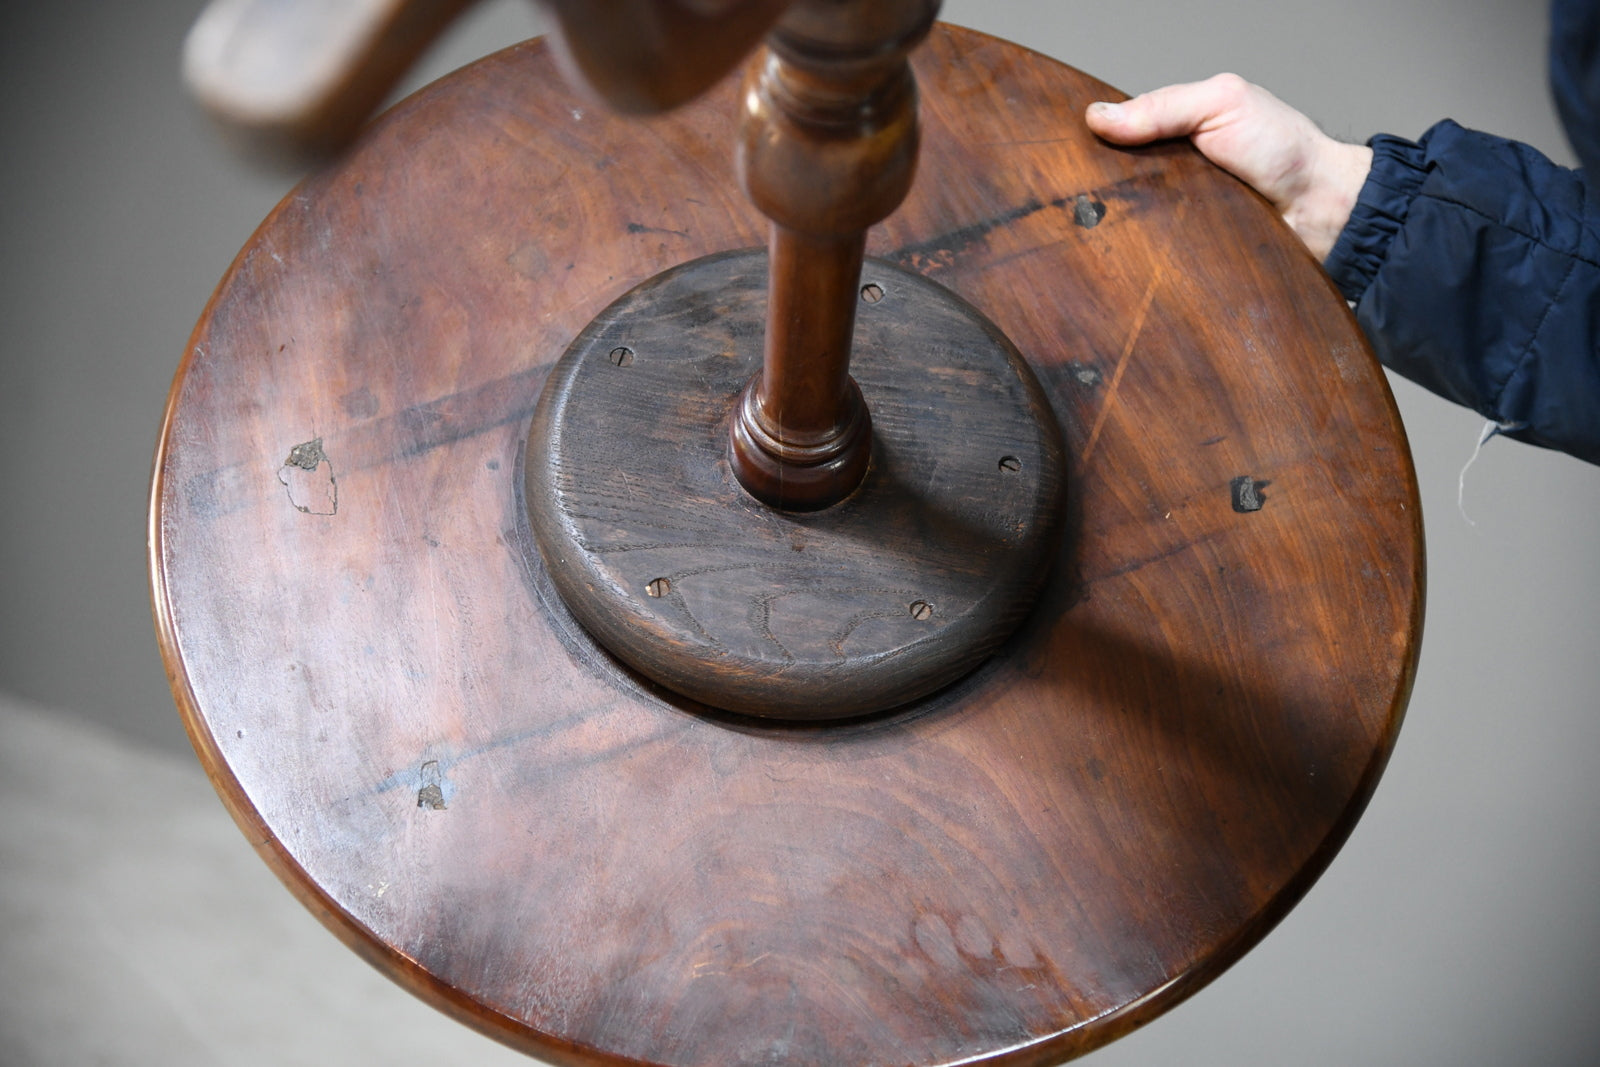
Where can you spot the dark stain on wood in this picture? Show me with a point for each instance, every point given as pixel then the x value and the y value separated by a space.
pixel 636 227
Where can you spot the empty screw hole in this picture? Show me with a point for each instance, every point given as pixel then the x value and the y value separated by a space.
pixel 921 610
pixel 659 587
pixel 621 356
pixel 1010 463
pixel 871 293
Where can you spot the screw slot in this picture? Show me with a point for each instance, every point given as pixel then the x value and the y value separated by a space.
pixel 921 610
pixel 621 356
pixel 1010 463
pixel 659 587
pixel 871 293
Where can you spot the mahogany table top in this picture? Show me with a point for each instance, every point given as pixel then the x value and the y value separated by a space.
pixel 479 800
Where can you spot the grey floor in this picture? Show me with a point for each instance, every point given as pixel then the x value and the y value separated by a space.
pixel 140 928
pixel 1458 926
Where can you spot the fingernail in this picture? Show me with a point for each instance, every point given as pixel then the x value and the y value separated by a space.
pixel 1108 112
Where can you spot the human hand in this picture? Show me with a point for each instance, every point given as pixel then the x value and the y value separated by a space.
pixel 1308 176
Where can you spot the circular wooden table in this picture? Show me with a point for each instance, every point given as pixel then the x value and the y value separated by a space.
pixel 484 804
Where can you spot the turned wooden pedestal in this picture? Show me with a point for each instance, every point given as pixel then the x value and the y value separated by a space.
pixel 417 736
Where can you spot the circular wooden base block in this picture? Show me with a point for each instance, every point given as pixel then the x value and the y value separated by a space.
pixel 870 604
pixel 427 748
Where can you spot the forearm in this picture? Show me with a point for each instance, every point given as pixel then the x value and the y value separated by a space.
pixel 1474 263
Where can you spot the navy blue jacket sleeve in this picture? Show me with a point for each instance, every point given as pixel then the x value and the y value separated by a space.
pixel 1474 266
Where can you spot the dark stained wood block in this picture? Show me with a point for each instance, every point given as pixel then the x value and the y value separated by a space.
pixel 901 588
pixel 478 799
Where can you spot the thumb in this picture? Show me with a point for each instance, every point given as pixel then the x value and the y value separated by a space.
pixel 1172 111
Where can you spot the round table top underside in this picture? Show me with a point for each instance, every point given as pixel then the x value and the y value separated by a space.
pixel 478 799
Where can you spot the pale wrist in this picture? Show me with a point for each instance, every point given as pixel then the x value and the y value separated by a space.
pixel 1320 214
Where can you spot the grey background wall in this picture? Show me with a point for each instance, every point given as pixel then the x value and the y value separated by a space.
pixel 1459 926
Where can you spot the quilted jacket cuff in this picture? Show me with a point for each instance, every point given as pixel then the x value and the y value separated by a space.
pixel 1398 169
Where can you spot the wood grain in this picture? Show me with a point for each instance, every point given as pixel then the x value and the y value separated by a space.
pixel 466 789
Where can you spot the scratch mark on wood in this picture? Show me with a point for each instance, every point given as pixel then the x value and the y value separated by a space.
pixel 760 622
pixel 943 249
pixel 1144 561
pixel 1134 331
pixel 1036 140
pixel 836 642
pixel 639 227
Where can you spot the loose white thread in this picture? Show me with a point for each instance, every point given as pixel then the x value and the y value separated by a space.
pixel 1490 429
